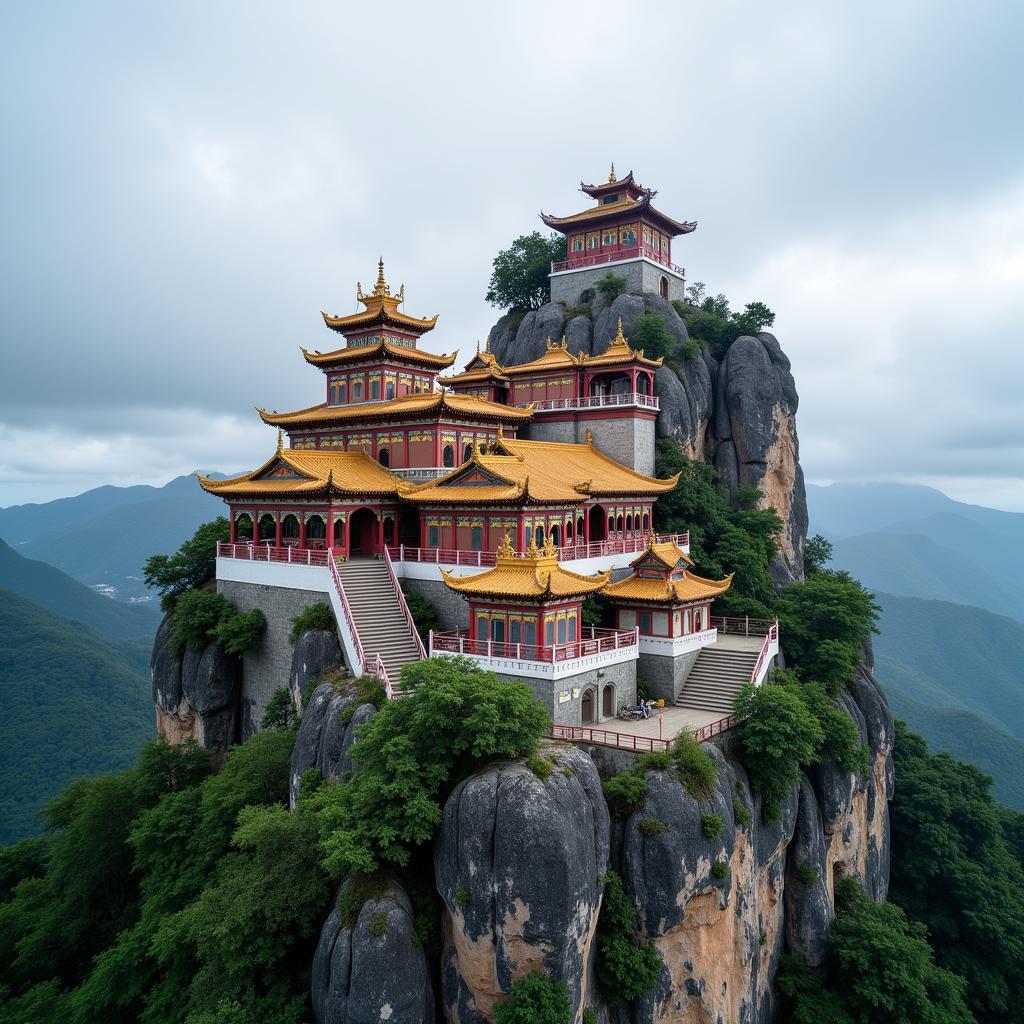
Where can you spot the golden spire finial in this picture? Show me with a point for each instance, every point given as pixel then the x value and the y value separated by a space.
pixel 280 440
pixel 549 551
pixel 501 432
pixel 619 339
pixel 565 344
pixel 547 343
pixel 505 549
pixel 588 437
pixel 487 344
pixel 611 177
pixel 381 287
pixel 532 551
pixel 476 446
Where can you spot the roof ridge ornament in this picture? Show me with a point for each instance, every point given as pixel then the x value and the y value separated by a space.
pixel 611 177
pixel 280 440
pixel 588 437
pixel 505 549
pixel 619 337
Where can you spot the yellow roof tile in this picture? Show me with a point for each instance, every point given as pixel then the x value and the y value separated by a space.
pixel 401 353
pixel 535 575
pixel 381 306
pixel 662 591
pixel 308 472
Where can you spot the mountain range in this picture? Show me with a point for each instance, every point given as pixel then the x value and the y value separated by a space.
pixel 102 537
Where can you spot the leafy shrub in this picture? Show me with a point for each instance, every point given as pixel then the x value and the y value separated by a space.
pixel 279 712
pixel 740 812
pixel 589 1016
pixel 424 615
pixel 681 307
pixel 625 793
pixel 711 825
pixel 377 926
pixel 239 632
pixel 461 896
pixel 540 766
pixel 807 874
pixel 709 319
pixel 653 761
pixel 778 735
pixel 651 334
pixel 314 616
pixel 583 309
pixel 412 752
pixel 192 565
pixel 625 969
pixel 697 770
pixel 720 870
pixel 652 827
pixel 691 349
pixel 535 999
pixel 196 615
pixel 611 286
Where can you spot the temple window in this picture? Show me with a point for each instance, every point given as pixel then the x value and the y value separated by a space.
pixel 629 524
pixel 476 534
pixel 555 536
pixel 572 627
pixel 549 632
pixel 609 238
pixel 647 523
pixel 357 391
pixel 561 631
pixel 609 200
pixel 515 631
pixel 448 457
pixel 433 536
pixel 593 240
pixel 628 236
pixel 538 536
pixel 467 453
pixel 568 533
pixel 530 631
pixel 389 390
pixel 644 622
pixel 611 524
pixel 498 630
pixel 384 457
pixel 481 627
pixel 290 527
pixel 374 390
pixel 618 524
pixel 660 623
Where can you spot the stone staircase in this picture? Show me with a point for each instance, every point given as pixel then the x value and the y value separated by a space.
pixel 379 620
pixel 719 672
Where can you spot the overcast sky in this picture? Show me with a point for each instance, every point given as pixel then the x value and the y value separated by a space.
pixel 185 186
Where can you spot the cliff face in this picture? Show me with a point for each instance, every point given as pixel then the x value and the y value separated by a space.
pixel 742 410
pixel 518 862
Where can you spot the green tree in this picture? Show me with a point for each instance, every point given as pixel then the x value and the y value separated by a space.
pixel 824 623
pixel 192 565
pixel 519 279
pixel 651 334
pixel 535 999
pixel 611 285
pixel 314 616
pixel 817 553
pixel 412 752
pixel 279 712
pixel 953 872
pixel 197 614
pixel 625 968
pixel 710 320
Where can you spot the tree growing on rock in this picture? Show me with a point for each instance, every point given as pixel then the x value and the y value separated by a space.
pixel 519 279
pixel 192 565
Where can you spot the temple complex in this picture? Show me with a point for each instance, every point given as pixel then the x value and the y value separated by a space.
pixel 624 234
pixel 506 495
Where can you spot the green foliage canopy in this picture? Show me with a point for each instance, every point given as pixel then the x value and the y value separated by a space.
pixel 625 968
pixel 192 565
pixel 535 999
pixel 519 279
pixel 314 616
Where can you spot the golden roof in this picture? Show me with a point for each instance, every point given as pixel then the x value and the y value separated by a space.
pixel 543 472
pixel 380 305
pixel 667 552
pixel 556 355
pixel 662 590
pixel 289 472
pixel 633 201
pixel 357 353
pixel 535 575
pixel 427 404
pixel 620 352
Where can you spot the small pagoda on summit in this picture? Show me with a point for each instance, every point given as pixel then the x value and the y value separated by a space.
pixel 625 233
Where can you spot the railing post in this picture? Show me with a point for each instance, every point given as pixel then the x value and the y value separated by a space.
pixel 430 642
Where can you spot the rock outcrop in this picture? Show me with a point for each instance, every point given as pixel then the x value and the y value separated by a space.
pixel 517 864
pixel 327 733
pixel 368 966
pixel 195 694
pixel 741 413
pixel 316 653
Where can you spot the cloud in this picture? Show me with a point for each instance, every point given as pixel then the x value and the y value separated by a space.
pixel 184 189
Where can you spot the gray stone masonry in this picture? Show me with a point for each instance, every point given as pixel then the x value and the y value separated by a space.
pixel 452 610
pixel 268 667
pixel 627 440
pixel 621 676
pixel 641 276
pixel 665 676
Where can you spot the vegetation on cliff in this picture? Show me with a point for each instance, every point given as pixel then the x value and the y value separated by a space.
pixel 519 279
pixel 192 565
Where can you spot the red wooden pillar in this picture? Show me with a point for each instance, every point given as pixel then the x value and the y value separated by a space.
pixel 633 375
pixel 586 526
pixel 455 532
pixel 302 530
pixel 234 528
pixel 520 537
pixel 348 535
pixel 423 529
pixel 256 526
pixel 380 530
pixel 277 530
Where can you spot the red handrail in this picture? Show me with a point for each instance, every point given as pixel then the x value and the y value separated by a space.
pixel 632 741
pixel 350 622
pixel 771 639
pixel 593 640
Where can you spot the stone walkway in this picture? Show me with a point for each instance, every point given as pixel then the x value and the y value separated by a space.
pixel 674 721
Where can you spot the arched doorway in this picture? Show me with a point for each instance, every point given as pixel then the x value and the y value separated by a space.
pixel 448 457
pixel 384 457
pixel 243 526
pixel 538 536
pixel 316 532
pixel 389 530
pixel 663 287
pixel 290 528
pixel 467 453
pixel 587 708
pixel 409 528
pixel 362 536
pixel 598 524
pixel 268 528
pixel 556 536
pixel 608 701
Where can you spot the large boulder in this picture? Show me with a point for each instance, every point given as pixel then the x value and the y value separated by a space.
pixel 326 734
pixel 165 669
pixel 517 864
pixel 316 652
pixel 809 908
pixel 369 967
pixel 531 337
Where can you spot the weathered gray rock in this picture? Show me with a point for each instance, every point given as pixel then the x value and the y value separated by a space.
pixel 606 321
pixel 371 969
pixel 165 669
pixel 834 788
pixel 325 741
pixel 809 910
pixel 316 652
pixel 210 679
pixel 529 342
pixel 579 335
pixel 516 863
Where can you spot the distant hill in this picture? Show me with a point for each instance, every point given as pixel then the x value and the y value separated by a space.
pixel 72 600
pixel 73 704
pixel 102 537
